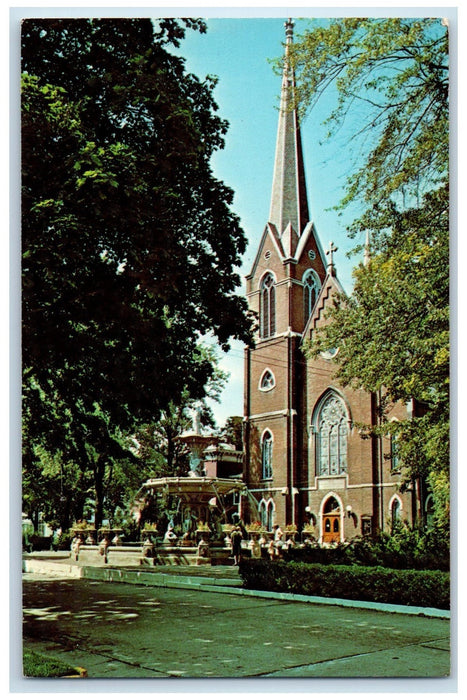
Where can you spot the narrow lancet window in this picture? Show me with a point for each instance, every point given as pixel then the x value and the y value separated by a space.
pixel 266 454
pixel 268 307
pixel 311 287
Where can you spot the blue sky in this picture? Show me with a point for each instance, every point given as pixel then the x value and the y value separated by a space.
pixel 237 52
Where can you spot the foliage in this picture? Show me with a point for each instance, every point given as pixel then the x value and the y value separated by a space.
pixel 37 665
pixel 403 587
pixel 232 432
pixel 393 338
pixel 390 74
pixel 391 80
pixel 157 443
pixel 129 246
pixel 403 548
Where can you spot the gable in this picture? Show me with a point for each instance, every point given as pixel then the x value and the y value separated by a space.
pixel 269 241
pixel 308 241
pixel 331 287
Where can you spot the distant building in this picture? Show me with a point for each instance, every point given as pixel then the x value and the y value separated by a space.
pixel 305 461
pixel 223 461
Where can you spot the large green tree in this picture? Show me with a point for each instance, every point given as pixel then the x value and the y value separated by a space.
pixel 391 80
pixel 128 240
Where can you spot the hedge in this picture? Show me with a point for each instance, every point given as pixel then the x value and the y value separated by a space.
pixel 376 584
pixel 386 551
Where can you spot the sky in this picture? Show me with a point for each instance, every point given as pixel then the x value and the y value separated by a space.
pixel 239 52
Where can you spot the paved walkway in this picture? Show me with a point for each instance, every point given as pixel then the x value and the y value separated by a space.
pixel 185 631
pixel 198 624
pixel 204 578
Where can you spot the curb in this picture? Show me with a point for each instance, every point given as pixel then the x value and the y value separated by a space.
pixel 215 585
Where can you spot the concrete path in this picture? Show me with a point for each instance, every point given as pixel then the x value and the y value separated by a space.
pixel 133 631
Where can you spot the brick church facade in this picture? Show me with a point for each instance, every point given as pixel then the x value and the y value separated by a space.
pixel 305 460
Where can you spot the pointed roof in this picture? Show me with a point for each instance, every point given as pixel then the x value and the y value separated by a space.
pixel 289 201
pixel 331 286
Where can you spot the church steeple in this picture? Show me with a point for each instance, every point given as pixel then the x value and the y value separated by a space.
pixel 289 201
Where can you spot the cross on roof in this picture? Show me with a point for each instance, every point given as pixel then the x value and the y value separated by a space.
pixel 332 249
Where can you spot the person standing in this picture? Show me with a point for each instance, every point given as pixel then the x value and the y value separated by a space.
pixel 236 538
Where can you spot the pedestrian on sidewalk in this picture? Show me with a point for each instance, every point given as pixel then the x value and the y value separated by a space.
pixel 236 538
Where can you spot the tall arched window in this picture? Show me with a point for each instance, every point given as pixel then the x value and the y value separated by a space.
pixel 394 454
pixel 396 512
pixel 268 307
pixel 266 513
pixel 311 287
pixel 266 455
pixel 331 426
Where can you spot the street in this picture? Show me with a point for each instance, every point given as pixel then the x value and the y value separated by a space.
pixel 128 631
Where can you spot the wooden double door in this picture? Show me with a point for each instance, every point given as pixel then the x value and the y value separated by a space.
pixel 332 527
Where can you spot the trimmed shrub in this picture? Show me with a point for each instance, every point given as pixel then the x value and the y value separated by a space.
pixel 39 543
pixel 377 584
pixel 404 549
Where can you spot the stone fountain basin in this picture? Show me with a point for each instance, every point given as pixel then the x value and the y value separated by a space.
pixel 195 485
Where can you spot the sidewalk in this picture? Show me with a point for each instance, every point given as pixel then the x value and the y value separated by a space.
pixel 187 631
pixel 210 579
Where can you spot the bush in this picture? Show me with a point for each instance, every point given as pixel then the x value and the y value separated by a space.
pixel 403 549
pixel 377 584
pixel 39 544
pixel 64 541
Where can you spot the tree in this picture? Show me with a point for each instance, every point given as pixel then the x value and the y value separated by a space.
pixel 129 244
pixel 393 336
pixel 392 80
pixel 393 331
pixel 232 432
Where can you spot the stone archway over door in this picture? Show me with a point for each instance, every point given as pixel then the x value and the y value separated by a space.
pixel 331 525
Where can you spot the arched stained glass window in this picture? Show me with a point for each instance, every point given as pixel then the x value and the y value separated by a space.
pixel 266 455
pixel 311 287
pixel 331 444
pixel 268 307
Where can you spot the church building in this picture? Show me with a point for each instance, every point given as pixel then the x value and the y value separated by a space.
pixel 305 460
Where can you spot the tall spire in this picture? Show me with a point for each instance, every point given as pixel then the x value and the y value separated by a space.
pixel 289 201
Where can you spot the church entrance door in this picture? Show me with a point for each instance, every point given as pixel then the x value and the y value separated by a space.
pixel 331 521
pixel 331 527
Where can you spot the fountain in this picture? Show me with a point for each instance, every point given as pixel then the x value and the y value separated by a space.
pixel 205 506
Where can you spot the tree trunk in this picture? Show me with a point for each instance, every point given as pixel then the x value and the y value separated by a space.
pixel 99 473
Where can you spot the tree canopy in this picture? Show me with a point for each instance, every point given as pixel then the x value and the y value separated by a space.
pixel 391 79
pixel 129 244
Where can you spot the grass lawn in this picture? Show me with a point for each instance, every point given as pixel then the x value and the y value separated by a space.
pixel 39 666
